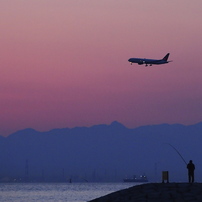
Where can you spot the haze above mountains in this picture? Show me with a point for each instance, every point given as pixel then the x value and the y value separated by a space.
pixel 100 153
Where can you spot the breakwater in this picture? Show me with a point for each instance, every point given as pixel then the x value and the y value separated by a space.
pixel 156 192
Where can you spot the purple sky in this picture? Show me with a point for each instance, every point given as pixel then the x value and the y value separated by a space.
pixel 64 63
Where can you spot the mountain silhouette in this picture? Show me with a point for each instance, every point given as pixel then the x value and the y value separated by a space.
pixel 100 153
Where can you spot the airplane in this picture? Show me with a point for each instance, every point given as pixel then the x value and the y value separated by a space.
pixel 141 61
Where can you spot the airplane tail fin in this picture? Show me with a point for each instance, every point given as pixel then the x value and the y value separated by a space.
pixel 166 57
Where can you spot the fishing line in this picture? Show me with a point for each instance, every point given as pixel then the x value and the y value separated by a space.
pixel 177 152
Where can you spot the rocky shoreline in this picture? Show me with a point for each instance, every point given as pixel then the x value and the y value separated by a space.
pixel 176 192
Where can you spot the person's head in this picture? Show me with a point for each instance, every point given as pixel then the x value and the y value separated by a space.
pixel 190 161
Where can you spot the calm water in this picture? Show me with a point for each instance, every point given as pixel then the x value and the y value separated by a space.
pixel 75 192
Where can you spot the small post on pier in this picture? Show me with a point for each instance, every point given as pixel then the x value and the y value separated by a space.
pixel 165 176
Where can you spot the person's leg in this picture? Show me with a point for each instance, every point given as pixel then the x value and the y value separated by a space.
pixel 189 178
pixel 192 177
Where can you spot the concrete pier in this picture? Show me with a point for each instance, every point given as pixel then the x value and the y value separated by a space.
pixel 154 192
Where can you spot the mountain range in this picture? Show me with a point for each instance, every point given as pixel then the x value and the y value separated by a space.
pixel 101 153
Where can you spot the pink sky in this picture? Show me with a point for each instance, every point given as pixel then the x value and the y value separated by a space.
pixel 64 63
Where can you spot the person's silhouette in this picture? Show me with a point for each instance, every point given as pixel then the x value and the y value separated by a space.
pixel 191 168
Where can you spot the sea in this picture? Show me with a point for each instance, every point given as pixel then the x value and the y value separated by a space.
pixel 57 192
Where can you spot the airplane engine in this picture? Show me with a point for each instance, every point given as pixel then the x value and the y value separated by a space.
pixel 140 63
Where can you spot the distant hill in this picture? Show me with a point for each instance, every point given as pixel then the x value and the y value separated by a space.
pixel 100 153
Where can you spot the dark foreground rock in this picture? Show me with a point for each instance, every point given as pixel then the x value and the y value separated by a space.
pixel 176 192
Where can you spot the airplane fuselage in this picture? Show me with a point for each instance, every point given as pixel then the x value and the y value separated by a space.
pixel 141 61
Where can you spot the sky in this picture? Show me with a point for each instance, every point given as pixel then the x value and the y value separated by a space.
pixel 65 63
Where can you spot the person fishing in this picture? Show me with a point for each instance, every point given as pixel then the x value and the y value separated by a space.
pixel 191 168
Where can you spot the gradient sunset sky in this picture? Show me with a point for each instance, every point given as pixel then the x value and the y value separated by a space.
pixel 64 63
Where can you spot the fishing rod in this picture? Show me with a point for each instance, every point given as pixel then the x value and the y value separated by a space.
pixel 178 153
